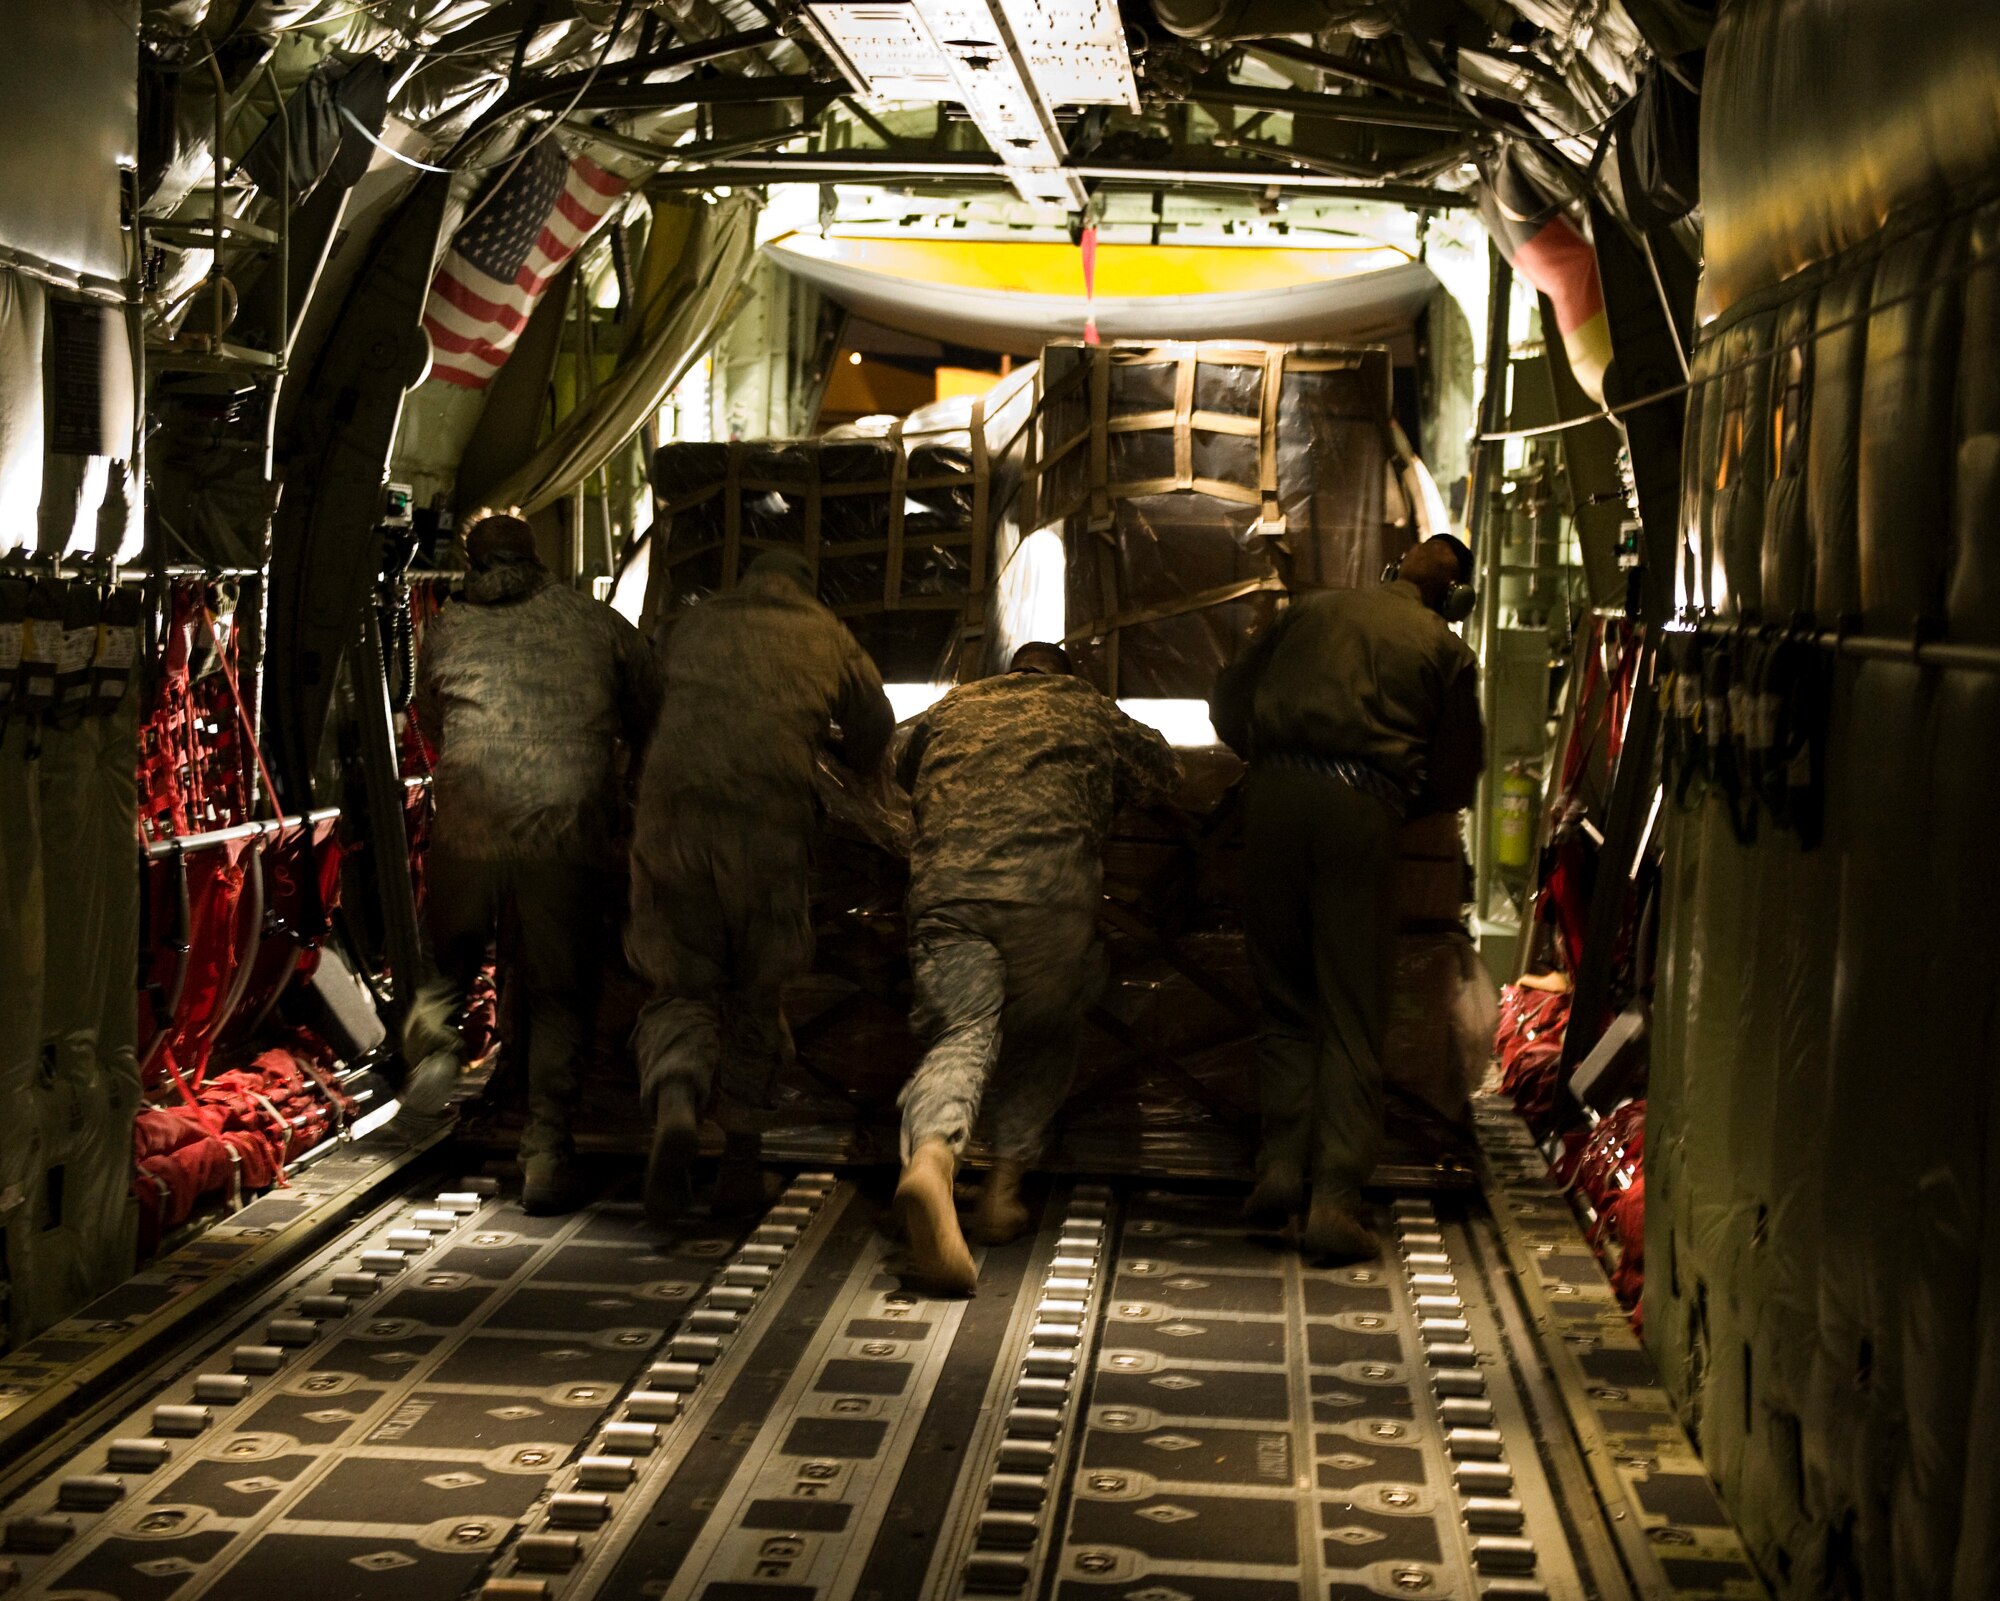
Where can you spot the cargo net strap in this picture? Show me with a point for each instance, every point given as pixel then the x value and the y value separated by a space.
pixel 1135 617
pixel 237 1133
pixel 1091 378
pixel 899 528
pixel 738 545
pixel 1194 484
pixel 197 761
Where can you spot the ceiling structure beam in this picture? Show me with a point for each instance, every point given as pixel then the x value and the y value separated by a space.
pixel 893 167
pixel 709 150
pixel 716 91
pixel 843 166
pixel 1353 71
pixel 1235 174
pixel 539 91
pixel 1435 163
pixel 1373 110
pixel 1332 166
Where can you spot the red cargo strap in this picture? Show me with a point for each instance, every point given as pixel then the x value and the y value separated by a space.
pixel 242 711
pixel 1089 244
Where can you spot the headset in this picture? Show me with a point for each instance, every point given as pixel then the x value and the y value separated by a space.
pixel 1459 598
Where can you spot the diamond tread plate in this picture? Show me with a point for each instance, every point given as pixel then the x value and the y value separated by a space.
pixel 1172 1409
pixel 403 1445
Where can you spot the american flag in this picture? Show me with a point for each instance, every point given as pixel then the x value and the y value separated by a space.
pixel 504 258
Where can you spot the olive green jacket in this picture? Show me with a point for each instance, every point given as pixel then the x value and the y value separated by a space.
pixel 1367 675
pixel 758 682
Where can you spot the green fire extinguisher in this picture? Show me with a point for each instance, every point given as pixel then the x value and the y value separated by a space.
pixel 1514 821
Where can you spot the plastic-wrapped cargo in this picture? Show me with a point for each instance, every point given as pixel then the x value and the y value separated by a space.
pixel 899 524
pixel 1189 485
pixel 1162 498
pixel 1194 483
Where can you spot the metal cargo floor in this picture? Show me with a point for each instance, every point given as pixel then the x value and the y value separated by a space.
pixel 1141 1404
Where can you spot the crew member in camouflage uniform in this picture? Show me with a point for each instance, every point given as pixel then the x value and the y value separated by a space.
pixel 756 680
pixel 1357 708
pixel 525 688
pixel 1014 781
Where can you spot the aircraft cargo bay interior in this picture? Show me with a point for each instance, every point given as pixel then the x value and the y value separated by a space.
pixel 1059 800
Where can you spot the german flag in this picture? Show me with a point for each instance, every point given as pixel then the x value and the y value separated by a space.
pixel 1540 241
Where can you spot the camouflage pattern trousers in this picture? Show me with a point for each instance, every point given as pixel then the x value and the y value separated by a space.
pixel 1001 990
pixel 555 912
pixel 720 924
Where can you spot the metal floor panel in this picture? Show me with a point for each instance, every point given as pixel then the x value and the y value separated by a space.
pixel 1667 1516
pixel 1258 1428
pixel 42 1379
pixel 376 1426
pixel 1143 1403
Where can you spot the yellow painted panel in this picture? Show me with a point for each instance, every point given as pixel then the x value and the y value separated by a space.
pixel 955 381
pixel 1044 267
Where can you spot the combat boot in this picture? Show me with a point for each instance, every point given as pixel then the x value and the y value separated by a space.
pixel 929 1215
pixel 427 1090
pixel 549 1185
pixel 676 1140
pixel 1001 1216
pixel 1334 1231
pixel 742 1187
pixel 1279 1197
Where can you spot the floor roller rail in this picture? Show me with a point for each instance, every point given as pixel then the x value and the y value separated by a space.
pixel 1142 1403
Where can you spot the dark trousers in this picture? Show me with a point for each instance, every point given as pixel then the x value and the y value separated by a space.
pixel 1317 859
pixel 720 924
pixel 558 909
pixel 1001 990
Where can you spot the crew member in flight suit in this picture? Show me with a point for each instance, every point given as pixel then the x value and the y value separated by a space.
pixel 1356 709
pixel 525 689
pixel 1014 781
pixel 756 681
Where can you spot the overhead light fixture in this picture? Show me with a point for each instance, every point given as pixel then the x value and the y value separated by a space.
pixel 1010 63
pixel 1074 51
pixel 884 48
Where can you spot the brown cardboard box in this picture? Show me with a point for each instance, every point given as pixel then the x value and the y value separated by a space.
pixel 1421 1060
pixel 1433 881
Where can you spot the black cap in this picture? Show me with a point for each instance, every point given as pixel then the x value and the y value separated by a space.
pixel 1459 549
pixel 1041 656
pixel 500 536
pixel 788 564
